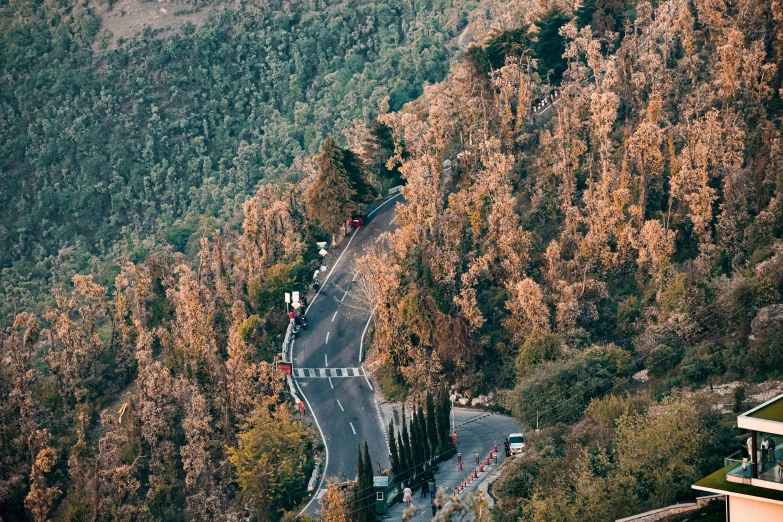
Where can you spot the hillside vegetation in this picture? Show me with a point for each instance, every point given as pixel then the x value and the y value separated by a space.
pixel 107 153
pixel 634 226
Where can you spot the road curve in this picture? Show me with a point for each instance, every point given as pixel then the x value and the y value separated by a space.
pixel 327 371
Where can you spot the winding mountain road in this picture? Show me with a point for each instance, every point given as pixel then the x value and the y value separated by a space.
pixel 327 370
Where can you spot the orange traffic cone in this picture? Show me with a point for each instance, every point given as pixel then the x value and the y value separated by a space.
pixel 481 468
pixel 460 465
pixel 487 461
pixel 475 473
pixel 496 447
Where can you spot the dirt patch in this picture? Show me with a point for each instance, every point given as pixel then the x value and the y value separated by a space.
pixel 127 18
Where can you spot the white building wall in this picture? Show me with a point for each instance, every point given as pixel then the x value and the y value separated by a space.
pixel 747 510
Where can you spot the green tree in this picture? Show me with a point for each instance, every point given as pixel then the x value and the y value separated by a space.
pixel 394 457
pixel 368 499
pixel 659 451
pixel 432 425
pixel 330 199
pixel 340 188
pixel 268 462
pixel 537 349
pixel 550 46
pixel 377 148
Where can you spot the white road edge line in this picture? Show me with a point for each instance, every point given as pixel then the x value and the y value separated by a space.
pixel 335 315
pixel 380 422
pixel 332 385
pixel 365 378
pixel 361 341
pixel 382 204
pixel 327 338
pixel 352 428
pixel 326 448
pixel 340 405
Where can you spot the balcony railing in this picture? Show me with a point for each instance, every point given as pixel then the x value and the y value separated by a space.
pixel 737 469
pixel 769 473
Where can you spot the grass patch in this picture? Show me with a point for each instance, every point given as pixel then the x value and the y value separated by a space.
pixel 391 384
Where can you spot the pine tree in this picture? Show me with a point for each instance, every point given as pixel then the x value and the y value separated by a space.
pixel 330 198
pixel 432 426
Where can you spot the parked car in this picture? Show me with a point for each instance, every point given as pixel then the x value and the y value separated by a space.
pixel 517 443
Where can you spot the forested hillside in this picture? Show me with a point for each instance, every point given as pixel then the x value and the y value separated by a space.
pixel 632 229
pixel 597 264
pixel 153 212
pixel 107 153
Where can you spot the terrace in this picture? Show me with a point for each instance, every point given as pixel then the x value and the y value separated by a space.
pixel 760 463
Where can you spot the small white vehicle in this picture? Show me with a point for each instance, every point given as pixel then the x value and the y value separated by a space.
pixel 516 442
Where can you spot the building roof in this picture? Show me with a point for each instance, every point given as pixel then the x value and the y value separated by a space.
pixel 717 483
pixel 767 417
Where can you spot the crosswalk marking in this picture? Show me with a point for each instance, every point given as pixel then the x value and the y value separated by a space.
pixel 321 373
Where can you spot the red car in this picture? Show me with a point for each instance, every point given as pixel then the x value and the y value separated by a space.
pixel 356 222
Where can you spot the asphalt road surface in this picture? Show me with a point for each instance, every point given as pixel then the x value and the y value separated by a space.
pixel 327 370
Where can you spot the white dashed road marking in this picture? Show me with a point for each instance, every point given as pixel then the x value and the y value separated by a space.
pixel 352 428
pixel 335 315
pixel 326 361
pixel 327 338
pixel 340 405
pixel 330 383
pixel 343 299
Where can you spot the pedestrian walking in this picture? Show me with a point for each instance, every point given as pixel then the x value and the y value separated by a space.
pixel 425 488
pixel 407 494
pixel 507 447
pixel 432 487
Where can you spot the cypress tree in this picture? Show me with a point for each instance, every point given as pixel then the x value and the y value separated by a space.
pixel 368 499
pixel 425 444
pixel 404 464
pixel 416 444
pixel 445 413
pixel 432 426
pixel 395 456
pixel 358 493
pixel 442 425
pixel 406 441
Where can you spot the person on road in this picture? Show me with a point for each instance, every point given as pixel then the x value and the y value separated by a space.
pixel 292 315
pixel 507 447
pixel 434 507
pixel 432 487
pixel 407 494
pixel 425 488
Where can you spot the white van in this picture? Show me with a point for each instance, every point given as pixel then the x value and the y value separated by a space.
pixel 517 443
